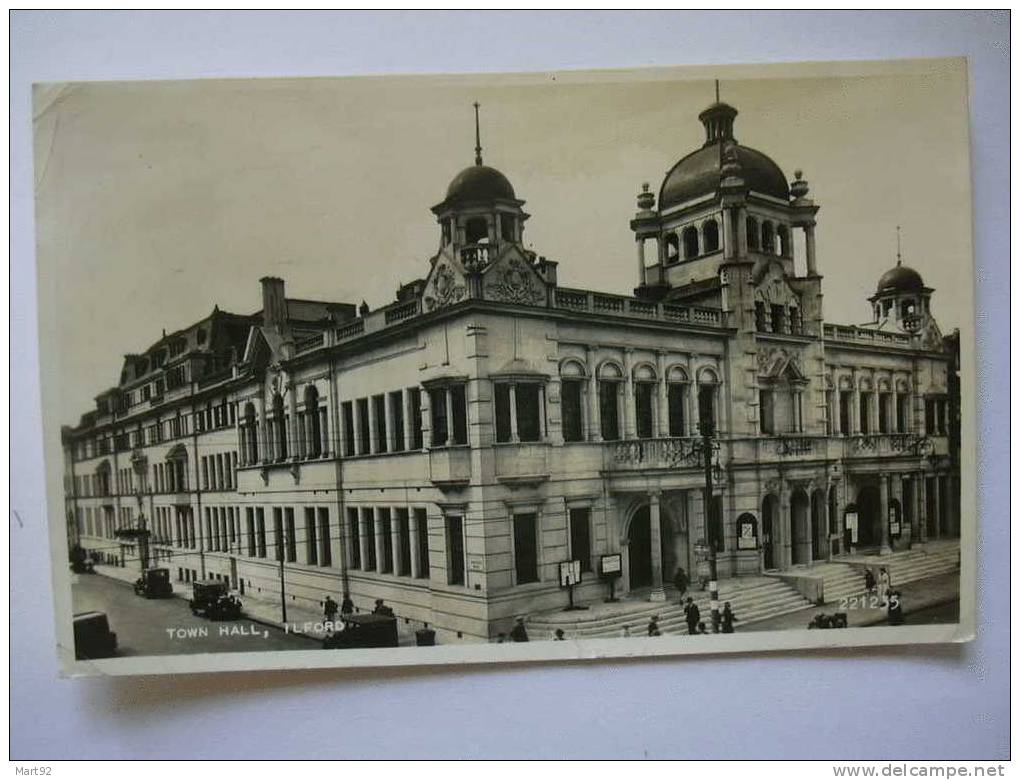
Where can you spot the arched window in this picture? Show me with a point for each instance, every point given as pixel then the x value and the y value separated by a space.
pixel 707 392
pixel 645 387
pixel 768 238
pixel 610 382
pixel 506 227
pixel 279 427
pixel 751 227
pixel 572 384
pixel 672 248
pixel 676 400
pixel 711 231
pixel 312 431
pixel 784 240
pixel 251 433
pixel 477 230
pixel 690 238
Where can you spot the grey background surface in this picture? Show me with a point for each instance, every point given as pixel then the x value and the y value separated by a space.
pixel 923 703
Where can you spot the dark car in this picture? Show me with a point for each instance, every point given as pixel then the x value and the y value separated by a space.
pixel 93 637
pixel 372 630
pixel 212 599
pixel 154 584
pixel 81 561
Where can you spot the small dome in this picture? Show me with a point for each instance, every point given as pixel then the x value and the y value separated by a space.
pixel 900 279
pixel 479 183
pixel 697 175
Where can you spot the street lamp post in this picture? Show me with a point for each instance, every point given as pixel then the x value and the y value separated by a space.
pixel 708 447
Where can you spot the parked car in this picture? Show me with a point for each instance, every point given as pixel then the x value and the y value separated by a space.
pixel 369 630
pixel 154 584
pixel 81 561
pixel 212 599
pixel 93 637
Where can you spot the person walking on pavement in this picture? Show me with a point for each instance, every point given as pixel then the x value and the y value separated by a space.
pixel 869 580
pixel 653 626
pixel 519 633
pixel 728 619
pixel 346 607
pixel 329 609
pixel 680 582
pixel 693 615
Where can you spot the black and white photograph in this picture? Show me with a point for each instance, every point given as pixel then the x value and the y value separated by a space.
pixel 415 370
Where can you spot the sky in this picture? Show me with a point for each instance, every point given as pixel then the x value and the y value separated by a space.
pixel 157 200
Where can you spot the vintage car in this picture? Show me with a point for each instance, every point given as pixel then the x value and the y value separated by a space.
pixel 212 599
pixel 93 637
pixel 369 630
pixel 154 584
pixel 81 561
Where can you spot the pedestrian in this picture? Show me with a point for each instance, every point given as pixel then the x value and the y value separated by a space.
pixel 558 635
pixel 680 582
pixel 693 616
pixel 653 626
pixel 728 619
pixel 519 633
pixel 382 609
pixel 884 585
pixel 329 609
pixel 346 606
pixel 895 608
pixel 869 580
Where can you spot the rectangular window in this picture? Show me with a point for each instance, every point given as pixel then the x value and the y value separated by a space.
pixel 458 399
pixel 929 416
pixel 403 566
pixel 609 410
pixel 379 412
pixel 760 318
pixel 884 401
pixel 502 401
pixel 325 552
pixel 440 421
pixel 572 411
pixel 580 537
pixel 644 409
pixel 417 436
pixel 865 410
pixel 529 412
pixel 423 542
pixel 706 408
pixel 455 550
pixel 525 548
pixel 941 416
pixel 901 413
pixel 396 401
pixel 766 411
pixel 354 534
pixel 370 530
pixel 778 318
pixel 278 533
pixel 311 537
pixel 347 410
pixel 365 438
pixel 386 530
pixel 260 521
pixel 844 412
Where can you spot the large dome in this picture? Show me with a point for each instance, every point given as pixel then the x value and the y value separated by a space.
pixel 900 279
pixel 479 183
pixel 698 174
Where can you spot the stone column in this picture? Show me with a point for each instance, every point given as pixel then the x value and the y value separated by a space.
pixel 408 420
pixel 937 485
pixel 783 530
pixel 373 428
pixel 449 416
pixel 426 419
pixel 629 418
pixel 641 260
pixel 662 397
pixel 825 523
pixel 388 417
pixel 655 526
pixel 380 541
pixel 594 414
pixel 883 491
pixel 921 497
pixel 514 437
pixel 295 438
pixel 415 541
pixel 809 249
pixel 395 539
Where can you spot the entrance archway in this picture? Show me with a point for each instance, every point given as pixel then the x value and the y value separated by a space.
pixel 869 515
pixel 639 549
pixel 819 531
pixel 769 517
pixel 800 527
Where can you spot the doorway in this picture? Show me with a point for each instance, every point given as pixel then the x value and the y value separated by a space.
pixel 769 513
pixel 639 549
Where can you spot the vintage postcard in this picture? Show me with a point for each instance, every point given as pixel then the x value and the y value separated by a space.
pixel 463 369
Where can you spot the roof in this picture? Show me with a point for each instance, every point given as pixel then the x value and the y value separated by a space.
pixel 900 278
pixel 479 183
pixel 698 174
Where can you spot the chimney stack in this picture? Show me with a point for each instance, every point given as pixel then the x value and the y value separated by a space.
pixel 274 304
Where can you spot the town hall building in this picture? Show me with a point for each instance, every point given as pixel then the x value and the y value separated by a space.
pixel 448 451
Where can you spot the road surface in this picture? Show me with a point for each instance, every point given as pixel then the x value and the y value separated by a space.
pixel 166 626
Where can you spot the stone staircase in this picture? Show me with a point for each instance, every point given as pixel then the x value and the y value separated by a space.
pixel 750 599
pixel 846 578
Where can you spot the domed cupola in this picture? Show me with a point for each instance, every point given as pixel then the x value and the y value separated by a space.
pixel 901 297
pixel 481 210
pixel 698 174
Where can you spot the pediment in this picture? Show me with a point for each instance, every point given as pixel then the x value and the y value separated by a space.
pixel 771 286
pixel 446 283
pixel 512 279
pixel 779 364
